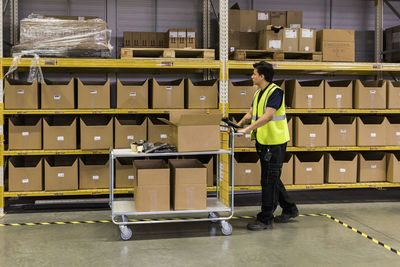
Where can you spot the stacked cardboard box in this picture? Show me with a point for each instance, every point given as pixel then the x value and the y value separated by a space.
pixel 145 39
pixel 392 44
pixel 61 173
pixel 129 129
pixel 247 169
pixel 25 174
pixel 58 94
pixel 20 94
pixel 336 45
pixel 25 133
pixel 341 167
pixel 132 94
pixel 94 172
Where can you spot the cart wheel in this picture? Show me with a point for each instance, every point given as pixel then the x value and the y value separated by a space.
pixel 213 229
pixel 226 228
pixel 126 232
pixel 213 215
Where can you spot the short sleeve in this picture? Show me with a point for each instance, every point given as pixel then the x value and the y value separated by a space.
pixel 275 100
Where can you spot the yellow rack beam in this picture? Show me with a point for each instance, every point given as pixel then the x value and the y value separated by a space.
pixel 89 111
pixel 53 152
pixel 326 149
pixel 330 111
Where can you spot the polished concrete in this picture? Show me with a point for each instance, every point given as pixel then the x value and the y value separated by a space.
pixel 306 241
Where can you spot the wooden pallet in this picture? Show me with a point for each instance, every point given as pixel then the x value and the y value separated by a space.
pixel 167 53
pixel 273 55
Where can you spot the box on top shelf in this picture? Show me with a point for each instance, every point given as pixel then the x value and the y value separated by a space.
pixel 124 173
pixel 279 18
pixel 59 132
pixel 339 94
pixel 341 167
pixel 96 132
pixel 127 39
pixel 263 19
pixel 370 94
pixel 393 167
pixel 168 94
pixel 136 39
pixel 336 45
pixel 309 168
pixel 94 172
pixel 132 94
pixel 290 40
pixel 202 94
pixel 310 131
pixel 271 39
pixel 248 20
pixel 21 94
pixel 247 169
pixel 372 167
pixel 191 39
pixel 144 39
pixel 158 131
pixel 307 94
pixel 393 95
pixel 93 94
pixel 287 169
pixel 25 174
pixel 371 131
pixel 240 94
pixel 129 129
pixel 173 38
pixel 392 44
pixel 61 173
pixel 342 131
pixel 58 94
pixel 248 40
pixel 25 132
pixel 294 19
pixel 181 38
pixel 152 43
pixel 393 131
pixel 307 40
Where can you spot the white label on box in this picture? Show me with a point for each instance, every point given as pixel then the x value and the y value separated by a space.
pixel 131 177
pixel 373 166
pixel 130 137
pixel 232 49
pixel 202 98
pixel 95 177
pixel 163 136
pixel 275 44
pixel 247 171
pixel 290 34
pixel 191 34
pixel 81 18
pixel 97 138
pixel 373 134
pixel 313 135
pixel 397 133
pixel 93 92
pixel 295 26
pixel 242 92
pixel 60 175
pixel 248 136
pixel 21 92
pixel 182 34
pixel 309 96
pixel 338 96
pixel 342 170
pixel 307 33
pixel 309 169
pixel 343 131
pixel 307 48
pixel 60 138
pixel 25 133
pixel 57 97
pixel 262 16
pixel 372 92
pixel 132 94
pixel 169 88
pixel 25 181
pixel 173 34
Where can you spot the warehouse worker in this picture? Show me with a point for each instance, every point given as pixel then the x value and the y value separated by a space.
pixel 270 130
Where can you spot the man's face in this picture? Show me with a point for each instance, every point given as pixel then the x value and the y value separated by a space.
pixel 257 78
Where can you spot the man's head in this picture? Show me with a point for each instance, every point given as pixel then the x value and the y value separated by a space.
pixel 263 72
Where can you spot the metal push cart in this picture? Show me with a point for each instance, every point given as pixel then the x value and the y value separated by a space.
pixel 223 202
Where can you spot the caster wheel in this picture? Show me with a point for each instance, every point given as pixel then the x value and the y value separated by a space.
pixel 226 228
pixel 213 229
pixel 126 233
pixel 213 215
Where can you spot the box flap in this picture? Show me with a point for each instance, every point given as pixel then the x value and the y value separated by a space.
pixel 195 117
pixel 48 82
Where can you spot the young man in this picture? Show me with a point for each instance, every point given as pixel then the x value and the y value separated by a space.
pixel 268 126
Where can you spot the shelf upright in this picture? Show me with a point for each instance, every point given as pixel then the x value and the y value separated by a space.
pixel 1 117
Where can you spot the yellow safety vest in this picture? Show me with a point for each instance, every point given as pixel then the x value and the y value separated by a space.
pixel 276 131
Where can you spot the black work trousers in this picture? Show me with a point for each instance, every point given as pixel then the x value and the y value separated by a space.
pixel 273 190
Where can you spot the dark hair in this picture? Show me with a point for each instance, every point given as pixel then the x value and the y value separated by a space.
pixel 266 69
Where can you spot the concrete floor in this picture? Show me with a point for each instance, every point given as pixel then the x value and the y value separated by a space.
pixel 307 241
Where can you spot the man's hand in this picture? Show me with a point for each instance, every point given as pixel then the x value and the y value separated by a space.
pixel 244 130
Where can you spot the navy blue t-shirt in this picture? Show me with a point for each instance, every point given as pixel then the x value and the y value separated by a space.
pixel 275 99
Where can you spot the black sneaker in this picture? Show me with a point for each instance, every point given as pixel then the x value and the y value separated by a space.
pixel 285 217
pixel 258 226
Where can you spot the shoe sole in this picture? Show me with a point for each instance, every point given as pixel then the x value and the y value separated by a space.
pixel 291 217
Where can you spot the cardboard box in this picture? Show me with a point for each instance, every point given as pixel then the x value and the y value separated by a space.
pixel 341 167
pixel 173 38
pixel 234 19
pixel 240 94
pixel 24 132
pixel 342 131
pixel 208 162
pixel 124 175
pixel 287 169
pixel 248 20
pixel 307 40
pixel 168 94
pixel 25 174
pixel 191 39
pixel 247 169
pixel 393 95
pixel 310 131
pixel 182 38
pixel 339 94
pixel 294 19
pixel 392 44
pixel 188 184
pixel 144 39
pixel 96 132
pixel 271 39
pixel 278 18
pixel 59 132
pixel 393 167
pixel 234 41
pixel 58 95
pixel 129 129
pixel 336 45
pixel 372 167
pixel 93 95
pixel 162 40
pixel 393 131
pixel 202 94
pixel 127 39
pixel 290 40
pixel 153 40
pixel 242 140
pixel 158 131
pixel 189 123
pixel 60 173
pixel 371 131
pixel 248 40
pixel 133 94
pixel 152 185
pixel 370 94
pixel 307 94
pixel 290 126
pixel 263 19
pixel 20 94
pixel 309 168
pixel 136 42
pixel 94 172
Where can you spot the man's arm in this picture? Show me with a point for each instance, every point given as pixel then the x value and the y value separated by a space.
pixel 264 119
pixel 247 118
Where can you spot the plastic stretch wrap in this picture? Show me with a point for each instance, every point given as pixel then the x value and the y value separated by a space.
pixel 64 37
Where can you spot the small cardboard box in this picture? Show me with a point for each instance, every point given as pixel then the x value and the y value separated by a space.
pixel 393 167
pixel 158 131
pixel 234 41
pixel 195 123
pixel 279 18
pixel 25 174
pixel 127 39
pixel 96 132
pixel 370 94
pixel 307 40
pixel 152 185
pixel 20 94
pixel 152 40
pixel 339 94
pixel 124 175
pixel 58 95
pixel 294 19
pixel 248 20
pixel 93 95
pixel 287 169
pixel 135 39
pixel 181 38
pixel 248 40
pixel 307 94
pixel 290 40
pixel 271 39
pixel 133 94
pixel 60 173
pixel 336 45
pixel 263 19
pixel 129 129
pixel 310 131
pixel 309 168
pixel 247 169
pixel 191 38
pixel 372 167
pixel 342 131
pixel 59 132
pixel 144 39
pixel 168 94
pixel 291 133
pixel 341 167
pixel 393 131
pixel 208 162
pixel 241 94
pixel 162 40
pixel 172 38
pixel 371 131
pixel 202 94
pixel 94 172
pixel 393 95
pixel 24 132
pixel 242 140
pixel 188 184
pixel 234 19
